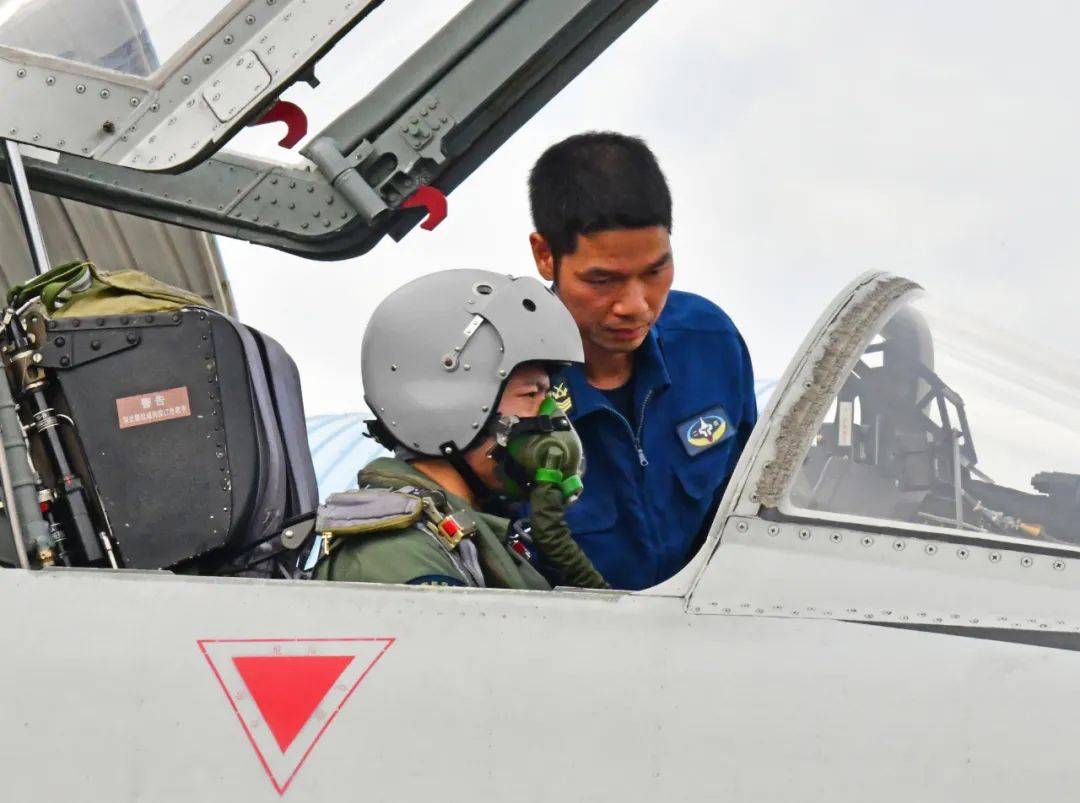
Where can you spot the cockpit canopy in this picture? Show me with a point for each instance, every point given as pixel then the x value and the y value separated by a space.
pixel 153 84
pixel 133 37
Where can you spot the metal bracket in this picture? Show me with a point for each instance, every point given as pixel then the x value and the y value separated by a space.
pixel 341 172
pixel 294 536
pixel 71 342
pixel 105 322
pixel 409 155
pixel 70 351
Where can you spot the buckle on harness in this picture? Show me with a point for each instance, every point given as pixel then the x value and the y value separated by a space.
pixel 447 528
pixel 451 531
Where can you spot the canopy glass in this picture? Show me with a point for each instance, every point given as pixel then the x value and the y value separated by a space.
pixel 134 37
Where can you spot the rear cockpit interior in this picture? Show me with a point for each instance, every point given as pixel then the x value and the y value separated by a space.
pixel 900 445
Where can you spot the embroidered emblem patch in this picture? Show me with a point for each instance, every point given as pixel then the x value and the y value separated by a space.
pixel 561 394
pixel 435 580
pixel 705 430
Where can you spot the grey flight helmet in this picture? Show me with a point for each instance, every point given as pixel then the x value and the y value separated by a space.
pixel 438 350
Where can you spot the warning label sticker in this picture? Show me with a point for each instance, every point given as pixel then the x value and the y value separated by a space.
pixel 285 692
pixel 153 407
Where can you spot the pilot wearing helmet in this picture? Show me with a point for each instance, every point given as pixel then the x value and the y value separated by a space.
pixel 456 368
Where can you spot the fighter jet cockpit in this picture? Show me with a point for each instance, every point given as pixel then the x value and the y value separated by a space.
pixel 948 422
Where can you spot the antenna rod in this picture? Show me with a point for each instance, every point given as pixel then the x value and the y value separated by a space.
pixel 20 187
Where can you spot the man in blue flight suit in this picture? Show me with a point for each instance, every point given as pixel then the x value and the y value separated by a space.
pixel 664 402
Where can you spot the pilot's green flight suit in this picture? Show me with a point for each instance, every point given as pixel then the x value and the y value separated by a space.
pixel 417 553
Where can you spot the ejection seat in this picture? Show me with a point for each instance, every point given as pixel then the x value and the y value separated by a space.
pixel 876 457
pixel 185 427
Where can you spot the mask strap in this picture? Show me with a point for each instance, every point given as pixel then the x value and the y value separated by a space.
pixel 456 458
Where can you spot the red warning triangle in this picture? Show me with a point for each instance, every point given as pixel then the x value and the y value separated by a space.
pixel 287 688
pixel 285 692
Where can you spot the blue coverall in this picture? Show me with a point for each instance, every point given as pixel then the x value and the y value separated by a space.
pixel 651 482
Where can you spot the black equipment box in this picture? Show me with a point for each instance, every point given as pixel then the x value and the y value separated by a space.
pixel 186 427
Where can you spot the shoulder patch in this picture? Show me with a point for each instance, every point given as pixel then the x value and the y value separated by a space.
pixel 435 580
pixel 561 394
pixel 705 430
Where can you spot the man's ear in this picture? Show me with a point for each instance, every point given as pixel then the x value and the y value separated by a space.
pixel 541 251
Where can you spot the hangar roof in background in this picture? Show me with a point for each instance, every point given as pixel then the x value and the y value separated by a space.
pixel 113 240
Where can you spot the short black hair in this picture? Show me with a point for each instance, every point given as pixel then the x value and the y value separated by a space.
pixel 596 181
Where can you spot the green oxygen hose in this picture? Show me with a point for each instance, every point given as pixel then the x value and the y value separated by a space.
pixel 551 534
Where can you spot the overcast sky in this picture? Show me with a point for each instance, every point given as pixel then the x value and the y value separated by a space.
pixel 804 143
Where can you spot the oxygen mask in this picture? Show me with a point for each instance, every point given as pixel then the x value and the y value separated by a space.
pixel 543 448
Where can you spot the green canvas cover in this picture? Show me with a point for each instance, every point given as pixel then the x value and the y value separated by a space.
pixel 81 290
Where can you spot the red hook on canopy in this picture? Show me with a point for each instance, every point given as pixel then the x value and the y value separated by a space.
pixel 292 115
pixel 430 199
